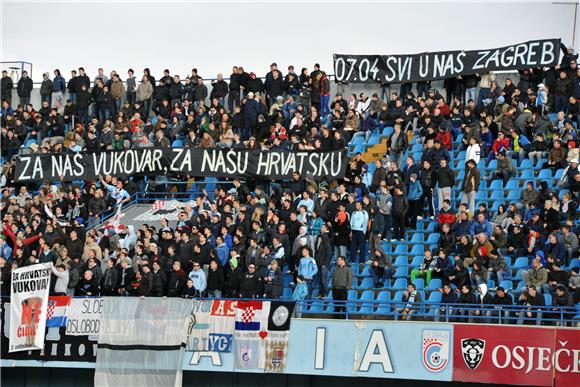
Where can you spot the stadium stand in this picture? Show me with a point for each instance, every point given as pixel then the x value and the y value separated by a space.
pixel 473 207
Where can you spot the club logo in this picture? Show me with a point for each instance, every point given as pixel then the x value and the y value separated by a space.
pixel 472 350
pixel 435 349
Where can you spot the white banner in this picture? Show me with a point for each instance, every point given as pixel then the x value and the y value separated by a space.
pixel 28 304
pixel 83 317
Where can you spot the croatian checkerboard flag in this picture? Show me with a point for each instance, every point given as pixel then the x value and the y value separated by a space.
pixel 56 311
pixel 252 315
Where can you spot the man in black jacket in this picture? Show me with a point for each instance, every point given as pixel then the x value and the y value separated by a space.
pixel 445 179
pixel 234 95
pixel 24 88
pixel 500 300
pixel 323 256
pixel 159 280
pixel 177 280
pixel 6 86
pixel 251 286
pixel 219 89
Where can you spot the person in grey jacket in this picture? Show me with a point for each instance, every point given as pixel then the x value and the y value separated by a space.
pixel 385 204
pixel 61 285
pixel 341 282
pixel 131 87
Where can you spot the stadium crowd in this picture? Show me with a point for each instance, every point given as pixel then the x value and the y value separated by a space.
pixel 257 239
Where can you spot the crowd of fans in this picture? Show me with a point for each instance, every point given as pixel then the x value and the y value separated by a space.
pixel 255 239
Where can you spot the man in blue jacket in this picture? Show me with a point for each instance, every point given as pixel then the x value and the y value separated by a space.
pixel 307 268
pixel 481 225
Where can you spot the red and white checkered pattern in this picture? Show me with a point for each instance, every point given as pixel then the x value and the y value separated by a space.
pixel 49 310
pixel 158 204
pixel 248 314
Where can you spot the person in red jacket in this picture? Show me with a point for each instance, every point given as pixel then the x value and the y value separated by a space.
pixel 500 142
pixel 446 215
pixel 10 230
pixel 324 90
pixel 444 136
pixel 279 132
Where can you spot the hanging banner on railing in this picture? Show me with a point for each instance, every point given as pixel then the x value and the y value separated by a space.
pixel 223 163
pixel 29 300
pixel 444 64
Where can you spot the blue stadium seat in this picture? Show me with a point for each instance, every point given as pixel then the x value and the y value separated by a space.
pixel 384 298
pixel 367 307
pixel 401 261
pixel 431 227
pixel 359 148
pixel 518 276
pixel 540 162
pixel 419 283
pixel 388 131
pixel 490 284
pixel 514 196
pixel 417 148
pixel 497 195
pixel 418 260
pixel 507 284
pixel 374 139
pixel 177 144
pixel 521 263
pixel 352 296
pixel 512 184
pixel 527 174
pixel 574 263
pixel 417 249
pixel 434 284
pixel 366 283
pixel 401 249
pixel 496 184
pixel 433 238
pixel 359 140
pixel 545 174
pixel 526 164
pixel 401 272
pixel 316 306
pixel 366 272
pixel 492 165
pixel 400 283
pixel 559 174
pixel 434 297
pixel 287 293
pixel 548 299
pixel 417 238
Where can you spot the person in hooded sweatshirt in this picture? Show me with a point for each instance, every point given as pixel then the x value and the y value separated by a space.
pixel 197 275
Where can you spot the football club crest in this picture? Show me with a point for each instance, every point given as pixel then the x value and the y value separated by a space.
pixel 472 350
pixel 435 349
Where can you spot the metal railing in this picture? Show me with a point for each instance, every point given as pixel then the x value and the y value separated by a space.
pixel 439 312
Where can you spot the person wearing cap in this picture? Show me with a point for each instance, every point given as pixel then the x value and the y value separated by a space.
pixel 571 170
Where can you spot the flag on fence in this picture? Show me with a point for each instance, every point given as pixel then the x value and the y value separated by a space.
pixel 158 204
pixel 57 310
pixel 221 325
pixel 276 351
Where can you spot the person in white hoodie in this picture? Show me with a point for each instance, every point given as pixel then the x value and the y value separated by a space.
pixel 62 277
pixel 473 151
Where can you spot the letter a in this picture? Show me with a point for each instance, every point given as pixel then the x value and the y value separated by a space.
pixel 376 352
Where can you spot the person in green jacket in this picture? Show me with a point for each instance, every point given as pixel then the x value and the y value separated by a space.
pixel 425 269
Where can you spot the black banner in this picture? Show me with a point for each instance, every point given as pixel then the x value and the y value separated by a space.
pixel 444 64
pixel 222 163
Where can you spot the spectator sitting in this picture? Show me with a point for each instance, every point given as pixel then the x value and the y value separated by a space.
pixel 426 267
pixel 411 297
pixel 556 276
pixel 501 299
pixel 529 298
pixel 443 267
pixel 505 169
pixel 537 276
pixel 380 269
pixel 448 298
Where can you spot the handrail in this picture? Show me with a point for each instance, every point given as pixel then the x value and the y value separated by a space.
pixel 440 312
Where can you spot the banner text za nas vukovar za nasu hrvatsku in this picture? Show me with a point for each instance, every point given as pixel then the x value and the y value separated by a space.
pixel 444 64
pixel 182 161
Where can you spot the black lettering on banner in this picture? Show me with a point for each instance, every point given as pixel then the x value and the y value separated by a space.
pixel 438 65
pixel 221 163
